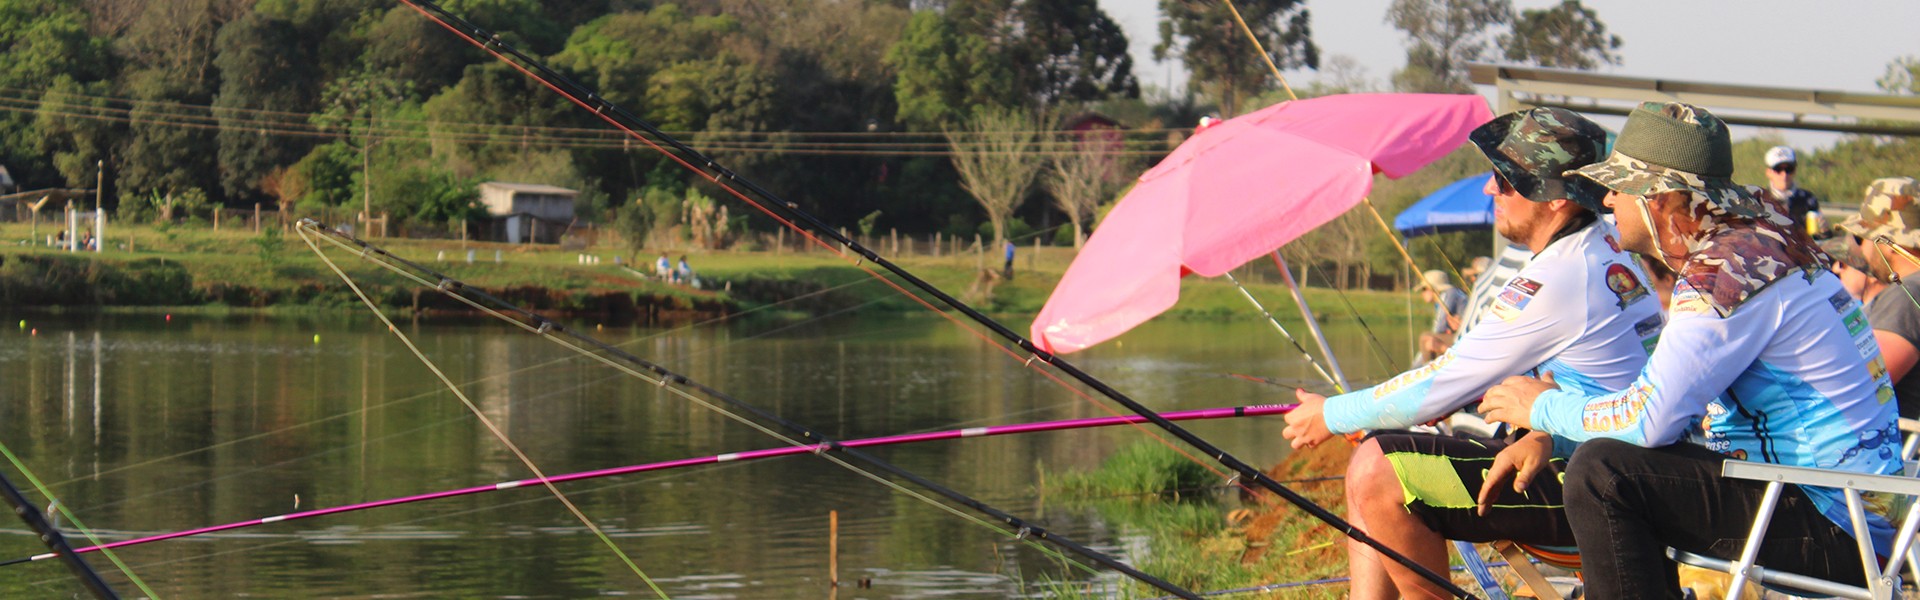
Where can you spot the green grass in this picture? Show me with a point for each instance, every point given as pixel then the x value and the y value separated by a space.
pixel 239 268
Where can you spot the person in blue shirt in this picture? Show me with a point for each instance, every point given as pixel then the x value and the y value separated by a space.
pixel 1579 309
pixel 1765 357
pixel 1008 269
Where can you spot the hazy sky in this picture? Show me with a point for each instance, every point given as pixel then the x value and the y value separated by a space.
pixel 1838 45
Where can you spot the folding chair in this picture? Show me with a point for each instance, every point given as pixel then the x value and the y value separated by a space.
pixel 1882 578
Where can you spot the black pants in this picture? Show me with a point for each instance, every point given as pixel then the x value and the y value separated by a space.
pixel 1627 504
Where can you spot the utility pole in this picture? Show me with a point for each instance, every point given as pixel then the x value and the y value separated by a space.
pixel 100 185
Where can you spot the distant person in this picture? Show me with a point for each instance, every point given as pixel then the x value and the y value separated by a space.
pixel 1889 213
pixel 1802 206
pixel 1474 269
pixel 663 268
pixel 1448 306
pixel 683 273
pixel 1008 269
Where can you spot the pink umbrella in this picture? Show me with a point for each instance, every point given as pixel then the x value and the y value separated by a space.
pixel 1238 190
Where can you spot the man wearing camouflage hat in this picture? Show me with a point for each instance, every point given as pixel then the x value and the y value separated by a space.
pixel 1579 310
pixel 1888 231
pixel 1764 358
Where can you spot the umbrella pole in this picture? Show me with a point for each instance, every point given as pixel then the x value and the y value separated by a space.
pixel 1313 325
pixel 1339 381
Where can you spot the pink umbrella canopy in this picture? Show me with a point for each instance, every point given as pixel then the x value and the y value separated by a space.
pixel 1238 190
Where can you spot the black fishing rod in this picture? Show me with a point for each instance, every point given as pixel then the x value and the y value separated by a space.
pixel 57 543
pixel 775 207
pixel 548 328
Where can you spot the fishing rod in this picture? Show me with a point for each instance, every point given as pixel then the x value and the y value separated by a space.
pixel 910 438
pixel 50 536
pixel 775 207
pixel 624 361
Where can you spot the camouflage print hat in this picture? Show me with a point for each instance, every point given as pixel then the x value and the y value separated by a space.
pixel 1675 147
pixel 1532 149
pixel 1889 210
pixel 1840 247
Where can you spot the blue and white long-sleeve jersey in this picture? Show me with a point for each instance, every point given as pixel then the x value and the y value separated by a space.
pixel 1793 376
pixel 1580 309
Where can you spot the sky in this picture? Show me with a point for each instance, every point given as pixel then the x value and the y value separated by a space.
pixel 1839 45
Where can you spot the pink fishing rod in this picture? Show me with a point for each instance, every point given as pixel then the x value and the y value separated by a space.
pixel 1187 415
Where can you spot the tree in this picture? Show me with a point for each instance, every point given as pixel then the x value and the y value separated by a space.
pixel 260 59
pixel 1442 37
pixel 76 143
pixel 42 42
pixel 1567 36
pixel 1222 61
pixel 1902 77
pixel 1072 52
pixel 996 155
pixel 947 75
pixel 1084 176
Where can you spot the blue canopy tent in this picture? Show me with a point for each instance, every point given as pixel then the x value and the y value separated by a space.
pixel 1460 206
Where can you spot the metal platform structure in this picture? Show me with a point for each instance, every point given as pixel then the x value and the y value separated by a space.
pixel 1521 87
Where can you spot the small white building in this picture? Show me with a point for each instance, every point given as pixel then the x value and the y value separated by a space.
pixel 527 212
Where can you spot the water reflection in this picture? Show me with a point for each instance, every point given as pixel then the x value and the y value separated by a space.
pixel 144 425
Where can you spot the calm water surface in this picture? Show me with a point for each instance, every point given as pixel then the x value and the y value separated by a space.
pixel 145 425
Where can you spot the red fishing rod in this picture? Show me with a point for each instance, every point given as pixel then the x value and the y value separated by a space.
pixel 791 215
pixel 911 438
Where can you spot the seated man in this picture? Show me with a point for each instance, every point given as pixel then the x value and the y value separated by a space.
pixel 1890 217
pixel 1764 358
pixel 1579 309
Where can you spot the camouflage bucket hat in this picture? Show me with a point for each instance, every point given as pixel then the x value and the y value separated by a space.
pixel 1889 210
pixel 1675 147
pixel 1533 149
pixel 1840 247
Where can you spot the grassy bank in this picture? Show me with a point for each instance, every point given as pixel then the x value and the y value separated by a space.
pixel 194 266
pixel 1205 538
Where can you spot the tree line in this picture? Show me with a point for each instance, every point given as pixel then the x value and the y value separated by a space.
pixel 897 114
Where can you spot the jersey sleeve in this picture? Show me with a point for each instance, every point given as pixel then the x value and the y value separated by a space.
pixel 1699 356
pixel 1528 323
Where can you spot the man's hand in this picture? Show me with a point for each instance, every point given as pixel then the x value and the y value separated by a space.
pixel 1511 402
pixel 1521 460
pixel 1306 427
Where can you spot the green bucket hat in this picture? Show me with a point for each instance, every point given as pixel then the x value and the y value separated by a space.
pixel 1675 147
pixel 1533 149
pixel 1888 210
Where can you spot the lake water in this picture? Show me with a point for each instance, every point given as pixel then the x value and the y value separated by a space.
pixel 143 425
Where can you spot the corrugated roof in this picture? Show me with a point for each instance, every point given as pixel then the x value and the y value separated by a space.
pixel 530 188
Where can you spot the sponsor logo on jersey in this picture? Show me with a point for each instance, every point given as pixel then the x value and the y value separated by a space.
pixel 1611 243
pixel 1688 300
pixel 1856 323
pixel 1410 377
pixel 1624 284
pixel 1618 413
pixel 1509 303
pixel 1840 302
pixel 1649 326
pixel 1525 286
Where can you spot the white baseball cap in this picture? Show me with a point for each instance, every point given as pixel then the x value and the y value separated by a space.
pixel 1778 155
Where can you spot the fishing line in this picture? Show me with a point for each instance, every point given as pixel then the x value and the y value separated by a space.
pixel 749 455
pixel 864 254
pixel 78 525
pixel 504 374
pixel 482 416
pixel 661 376
pixel 1409 564
pixel 615 115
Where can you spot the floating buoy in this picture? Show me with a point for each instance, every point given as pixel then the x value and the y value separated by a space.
pixel 36 331
pixel 23 323
pixel 316 338
pixel 169 317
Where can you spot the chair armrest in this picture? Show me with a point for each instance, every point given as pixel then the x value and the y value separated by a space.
pixel 1886 484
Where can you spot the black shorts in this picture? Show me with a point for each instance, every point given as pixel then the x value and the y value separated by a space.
pixel 1440 478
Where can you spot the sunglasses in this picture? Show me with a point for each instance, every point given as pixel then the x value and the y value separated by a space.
pixel 1784 168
